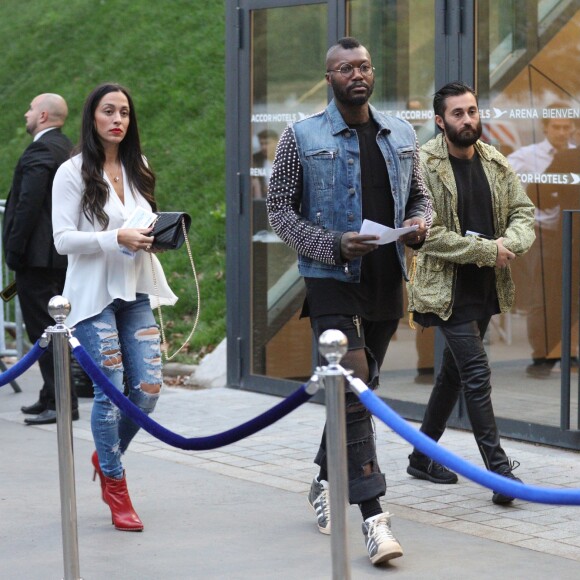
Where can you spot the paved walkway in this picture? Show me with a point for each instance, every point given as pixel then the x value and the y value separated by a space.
pixel 241 512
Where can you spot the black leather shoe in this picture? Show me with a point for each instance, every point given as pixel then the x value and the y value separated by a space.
pixel 35 409
pixel 48 417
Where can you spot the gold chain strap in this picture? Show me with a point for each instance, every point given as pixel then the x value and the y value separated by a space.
pixel 164 346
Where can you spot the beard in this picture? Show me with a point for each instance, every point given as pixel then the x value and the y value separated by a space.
pixel 344 94
pixel 465 137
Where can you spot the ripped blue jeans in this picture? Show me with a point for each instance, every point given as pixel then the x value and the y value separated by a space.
pixel 123 340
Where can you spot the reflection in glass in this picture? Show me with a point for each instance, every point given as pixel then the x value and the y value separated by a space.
pixel 287 80
pixel 531 114
pixel 401 38
pixel 548 9
pixel 501 32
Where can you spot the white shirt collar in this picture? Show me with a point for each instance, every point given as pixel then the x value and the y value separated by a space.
pixel 41 133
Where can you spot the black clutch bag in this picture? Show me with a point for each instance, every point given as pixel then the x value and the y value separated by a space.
pixel 170 230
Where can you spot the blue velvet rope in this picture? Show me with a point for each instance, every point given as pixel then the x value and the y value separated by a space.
pixel 488 479
pixel 23 364
pixel 280 410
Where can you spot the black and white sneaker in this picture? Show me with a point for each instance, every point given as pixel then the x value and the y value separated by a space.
pixel 381 544
pixel 319 500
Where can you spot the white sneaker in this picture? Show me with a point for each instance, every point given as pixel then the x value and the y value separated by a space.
pixel 319 500
pixel 381 544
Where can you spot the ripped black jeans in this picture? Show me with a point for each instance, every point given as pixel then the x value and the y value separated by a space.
pixel 374 337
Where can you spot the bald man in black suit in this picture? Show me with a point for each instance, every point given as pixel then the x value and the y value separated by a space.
pixel 27 237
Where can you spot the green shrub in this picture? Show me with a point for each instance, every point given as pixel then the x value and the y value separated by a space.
pixel 171 56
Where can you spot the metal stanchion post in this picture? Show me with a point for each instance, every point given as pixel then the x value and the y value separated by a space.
pixel 332 345
pixel 59 308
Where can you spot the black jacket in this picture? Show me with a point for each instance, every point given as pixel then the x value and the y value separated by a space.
pixel 27 226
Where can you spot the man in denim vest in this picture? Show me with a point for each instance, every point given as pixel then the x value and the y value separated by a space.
pixel 331 171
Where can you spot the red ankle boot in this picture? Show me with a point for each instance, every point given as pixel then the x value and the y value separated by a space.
pixel 95 462
pixel 122 512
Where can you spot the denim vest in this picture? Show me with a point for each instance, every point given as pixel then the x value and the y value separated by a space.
pixel 331 197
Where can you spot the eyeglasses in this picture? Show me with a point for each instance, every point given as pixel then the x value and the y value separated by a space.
pixel 347 70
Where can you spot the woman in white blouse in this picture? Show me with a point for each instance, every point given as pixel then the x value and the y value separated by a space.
pixel 109 277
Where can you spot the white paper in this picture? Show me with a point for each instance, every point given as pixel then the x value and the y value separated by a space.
pixel 477 235
pixel 140 218
pixel 386 234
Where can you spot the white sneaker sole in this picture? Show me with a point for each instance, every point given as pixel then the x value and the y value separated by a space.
pixel 380 558
pixel 325 531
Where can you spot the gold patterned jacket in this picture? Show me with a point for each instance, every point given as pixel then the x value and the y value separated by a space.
pixel 434 272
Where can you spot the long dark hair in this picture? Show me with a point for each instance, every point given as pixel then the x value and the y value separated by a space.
pixel 140 177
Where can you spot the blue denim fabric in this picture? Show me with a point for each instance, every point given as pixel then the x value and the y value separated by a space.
pixel 330 157
pixel 124 341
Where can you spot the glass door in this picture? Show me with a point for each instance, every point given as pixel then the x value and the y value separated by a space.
pixel 529 87
pixel 401 38
pixel 521 56
pixel 276 77
pixel 287 84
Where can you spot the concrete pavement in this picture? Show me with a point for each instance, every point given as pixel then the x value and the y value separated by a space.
pixel 240 512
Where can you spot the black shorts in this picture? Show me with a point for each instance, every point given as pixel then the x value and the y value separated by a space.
pixel 375 336
pixel 344 323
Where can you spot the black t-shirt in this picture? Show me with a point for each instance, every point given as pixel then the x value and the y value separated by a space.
pixel 475 295
pixel 379 295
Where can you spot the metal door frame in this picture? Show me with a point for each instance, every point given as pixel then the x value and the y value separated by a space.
pixel 455 58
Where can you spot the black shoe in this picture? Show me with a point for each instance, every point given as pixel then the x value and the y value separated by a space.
pixel 48 417
pixel 35 409
pixel 541 368
pixel 424 376
pixel 430 470
pixel 500 498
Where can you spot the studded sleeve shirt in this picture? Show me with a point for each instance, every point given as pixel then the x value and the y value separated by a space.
pixel 284 199
pixel 283 203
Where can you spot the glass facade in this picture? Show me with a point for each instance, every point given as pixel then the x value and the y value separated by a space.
pixel 287 83
pixel 523 59
pixel 532 85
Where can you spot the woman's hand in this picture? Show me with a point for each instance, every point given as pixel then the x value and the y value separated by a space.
pixel 135 238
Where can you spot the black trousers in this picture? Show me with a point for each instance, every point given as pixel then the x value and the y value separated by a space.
pixel 466 367
pixel 374 337
pixel 36 286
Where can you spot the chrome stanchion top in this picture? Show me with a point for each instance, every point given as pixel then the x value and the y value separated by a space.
pixel 332 345
pixel 59 308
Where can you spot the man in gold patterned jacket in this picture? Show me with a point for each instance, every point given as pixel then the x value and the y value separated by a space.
pixel 482 220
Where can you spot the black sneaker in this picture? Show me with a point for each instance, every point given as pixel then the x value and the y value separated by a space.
pixel 500 498
pixel 541 368
pixel 430 470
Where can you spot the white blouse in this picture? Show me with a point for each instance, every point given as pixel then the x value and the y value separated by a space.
pixel 99 269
